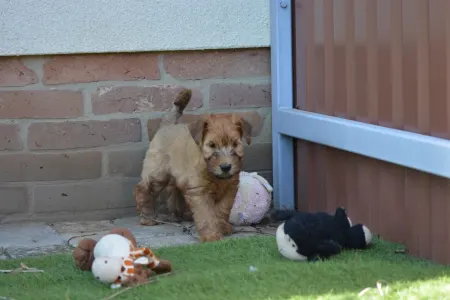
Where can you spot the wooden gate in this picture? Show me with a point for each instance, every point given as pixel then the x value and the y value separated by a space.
pixel 361 109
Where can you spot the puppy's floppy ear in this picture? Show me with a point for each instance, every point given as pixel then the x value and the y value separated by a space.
pixel 198 129
pixel 244 126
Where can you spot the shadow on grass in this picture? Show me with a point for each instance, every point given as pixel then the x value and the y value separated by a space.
pixel 221 271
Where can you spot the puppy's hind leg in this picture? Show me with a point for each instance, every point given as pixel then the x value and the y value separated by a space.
pixel 176 203
pixel 154 179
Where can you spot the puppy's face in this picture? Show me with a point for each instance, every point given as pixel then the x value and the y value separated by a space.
pixel 220 138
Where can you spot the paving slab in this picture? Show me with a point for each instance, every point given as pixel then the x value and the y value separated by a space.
pixel 74 232
pixel 76 228
pixel 156 236
pixel 26 239
pixel 269 230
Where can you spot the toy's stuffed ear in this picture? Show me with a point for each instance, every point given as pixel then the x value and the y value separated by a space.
pixel 83 254
pixel 341 218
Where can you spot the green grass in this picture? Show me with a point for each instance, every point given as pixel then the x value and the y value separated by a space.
pixel 221 271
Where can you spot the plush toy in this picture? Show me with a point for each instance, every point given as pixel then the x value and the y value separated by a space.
pixel 252 200
pixel 307 236
pixel 115 259
pixel 83 254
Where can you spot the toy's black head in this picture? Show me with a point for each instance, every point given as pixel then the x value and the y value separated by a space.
pixel 358 237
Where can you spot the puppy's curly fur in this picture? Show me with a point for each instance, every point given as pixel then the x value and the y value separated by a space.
pixel 198 164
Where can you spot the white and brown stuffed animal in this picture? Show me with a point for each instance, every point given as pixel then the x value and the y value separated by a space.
pixel 116 259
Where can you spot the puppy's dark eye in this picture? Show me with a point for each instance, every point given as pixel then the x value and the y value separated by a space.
pixel 212 145
pixel 235 143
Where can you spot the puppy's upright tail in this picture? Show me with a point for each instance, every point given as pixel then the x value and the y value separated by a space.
pixel 180 103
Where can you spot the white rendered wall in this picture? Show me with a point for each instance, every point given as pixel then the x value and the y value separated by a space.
pixel 29 27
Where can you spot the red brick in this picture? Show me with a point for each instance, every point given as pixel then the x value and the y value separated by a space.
pixel 230 95
pixel 10 137
pixel 13 199
pixel 152 127
pixel 14 73
pixel 100 194
pixel 82 134
pixel 218 64
pixel 126 163
pixel 101 67
pixel 40 104
pixel 129 99
pixel 42 167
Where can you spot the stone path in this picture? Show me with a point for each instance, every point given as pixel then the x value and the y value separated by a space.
pixel 29 239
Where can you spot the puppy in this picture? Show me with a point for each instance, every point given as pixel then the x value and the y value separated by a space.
pixel 198 164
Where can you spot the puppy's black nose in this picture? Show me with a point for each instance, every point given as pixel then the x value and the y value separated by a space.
pixel 225 167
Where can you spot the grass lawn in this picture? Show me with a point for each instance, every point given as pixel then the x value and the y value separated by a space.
pixel 221 271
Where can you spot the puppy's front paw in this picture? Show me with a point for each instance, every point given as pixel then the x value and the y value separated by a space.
pixel 227 228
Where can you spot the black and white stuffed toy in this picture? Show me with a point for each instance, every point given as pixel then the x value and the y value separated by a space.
pixel 307 236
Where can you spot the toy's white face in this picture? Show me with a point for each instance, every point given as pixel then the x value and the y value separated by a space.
pixel 107 269
pixel 286 246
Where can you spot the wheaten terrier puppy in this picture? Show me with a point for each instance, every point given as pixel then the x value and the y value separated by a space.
pixel 198 164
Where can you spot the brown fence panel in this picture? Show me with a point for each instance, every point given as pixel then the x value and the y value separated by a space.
pixel 400 204
pixel 384 62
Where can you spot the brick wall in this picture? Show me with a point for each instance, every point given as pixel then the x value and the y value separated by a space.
pixel 74 129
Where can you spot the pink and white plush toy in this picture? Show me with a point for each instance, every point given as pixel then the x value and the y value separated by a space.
pixel 252 201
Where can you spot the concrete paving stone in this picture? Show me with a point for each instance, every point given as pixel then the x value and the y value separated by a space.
pixel 77 228
pixel 267 230
pixel 241 235
pixel 133 225
pixel 166 241
pixel 29 239
pixel 29 235
pixel 19 252
pixel 246 229
pixel 156 236
pixel 73 241
pixel 74 232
